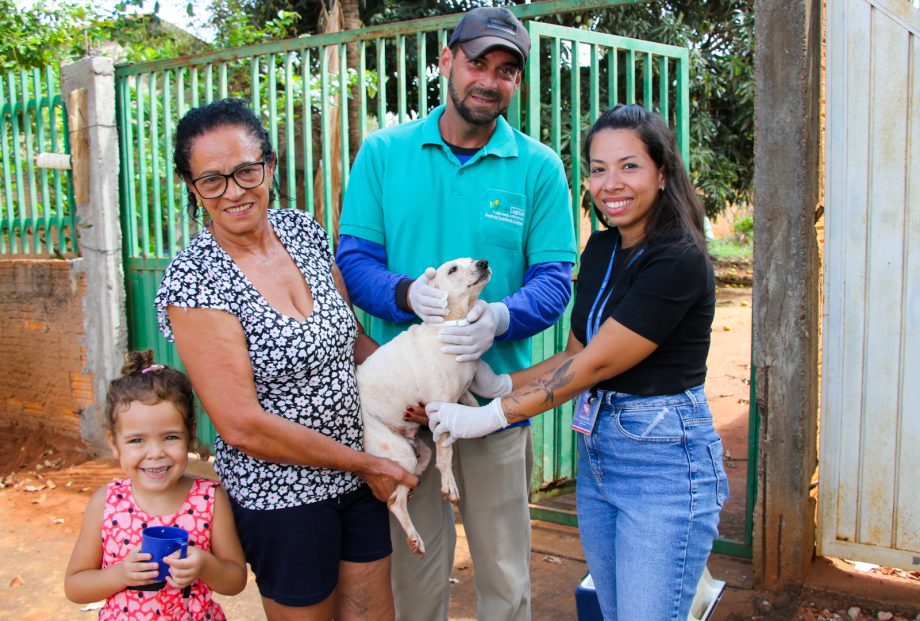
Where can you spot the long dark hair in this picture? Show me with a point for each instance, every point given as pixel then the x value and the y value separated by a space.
pixel 677 206
pixel 201 120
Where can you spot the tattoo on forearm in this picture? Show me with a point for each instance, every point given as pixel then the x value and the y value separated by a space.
pixel 512 414
pixel 560 378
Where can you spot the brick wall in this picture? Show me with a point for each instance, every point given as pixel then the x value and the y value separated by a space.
pixel 42 345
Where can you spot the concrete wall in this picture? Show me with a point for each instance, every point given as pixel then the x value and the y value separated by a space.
pixel 43 381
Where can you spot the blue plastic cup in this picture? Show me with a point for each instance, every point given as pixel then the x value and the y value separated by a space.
pixel 160 542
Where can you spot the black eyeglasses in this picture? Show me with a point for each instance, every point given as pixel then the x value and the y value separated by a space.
pixel 246 176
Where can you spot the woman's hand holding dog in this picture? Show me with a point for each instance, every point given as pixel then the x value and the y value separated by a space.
pixel 415 413
pixel 383 475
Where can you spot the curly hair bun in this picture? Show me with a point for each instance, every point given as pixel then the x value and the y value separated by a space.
pixel 137 360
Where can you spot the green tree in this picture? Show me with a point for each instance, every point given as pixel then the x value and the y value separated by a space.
pixel 36 36
pixel 720 36
pixel 244 22
pixel 55 32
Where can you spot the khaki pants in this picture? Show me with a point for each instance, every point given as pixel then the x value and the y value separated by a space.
pixel 493 476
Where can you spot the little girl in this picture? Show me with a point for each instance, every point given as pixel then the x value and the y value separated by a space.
pixel 150 419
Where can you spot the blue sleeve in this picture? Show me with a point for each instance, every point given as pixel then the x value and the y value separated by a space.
pixel 540 302
pixel 370 284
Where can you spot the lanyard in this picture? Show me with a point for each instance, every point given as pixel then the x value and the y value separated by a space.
pixel 597 309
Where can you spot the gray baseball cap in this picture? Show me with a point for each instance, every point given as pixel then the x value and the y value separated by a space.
pixel 486 28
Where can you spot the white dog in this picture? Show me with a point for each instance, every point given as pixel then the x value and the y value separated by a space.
pixel 411 369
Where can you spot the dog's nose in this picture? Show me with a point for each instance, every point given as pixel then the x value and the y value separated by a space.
pixel 482 264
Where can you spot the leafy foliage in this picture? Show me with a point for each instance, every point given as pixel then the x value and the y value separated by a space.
pixel 744 229
pixel 729 249
pixel 389 11
pixel 241 22
pixel 55 32
pixel 34 37
pixel 371 12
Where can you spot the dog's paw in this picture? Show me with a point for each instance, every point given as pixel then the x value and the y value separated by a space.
pixel 450 492
pixel 416 544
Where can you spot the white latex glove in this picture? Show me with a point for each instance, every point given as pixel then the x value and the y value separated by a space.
pixel 462 421
pixel 429 303
pixel 470 341
pixel 486 383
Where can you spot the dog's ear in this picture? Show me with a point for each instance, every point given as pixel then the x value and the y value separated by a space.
pixel 437 281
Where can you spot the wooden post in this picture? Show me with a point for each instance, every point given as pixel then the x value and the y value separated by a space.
pixel 786 285
pixel 79 145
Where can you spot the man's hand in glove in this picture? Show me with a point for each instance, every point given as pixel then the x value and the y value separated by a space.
pixel 429 303
pixel 470 341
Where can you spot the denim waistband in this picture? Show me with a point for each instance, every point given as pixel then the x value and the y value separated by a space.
pixel 693 396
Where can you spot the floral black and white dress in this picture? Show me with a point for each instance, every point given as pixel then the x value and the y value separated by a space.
pixel 304 370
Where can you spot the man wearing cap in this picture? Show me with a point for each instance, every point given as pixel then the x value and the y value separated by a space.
pixel 462 183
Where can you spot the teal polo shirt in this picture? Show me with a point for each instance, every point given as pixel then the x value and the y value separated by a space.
pixel 509 204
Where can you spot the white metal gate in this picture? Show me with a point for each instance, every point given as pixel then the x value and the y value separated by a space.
pixel 869 502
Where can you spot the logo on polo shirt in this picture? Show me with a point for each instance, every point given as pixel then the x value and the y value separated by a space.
pixel 506 207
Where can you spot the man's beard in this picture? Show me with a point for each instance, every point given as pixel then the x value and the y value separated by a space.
pixel 466 113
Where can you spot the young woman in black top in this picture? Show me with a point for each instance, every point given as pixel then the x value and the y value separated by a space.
pixel 650 481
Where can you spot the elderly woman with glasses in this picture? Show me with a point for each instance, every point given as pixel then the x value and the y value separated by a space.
pixel 263 324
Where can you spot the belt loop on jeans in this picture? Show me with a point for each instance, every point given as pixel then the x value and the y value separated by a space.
pixel 693 399
pixel 605 396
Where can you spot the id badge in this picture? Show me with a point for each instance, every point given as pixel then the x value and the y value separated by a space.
pixel 585 413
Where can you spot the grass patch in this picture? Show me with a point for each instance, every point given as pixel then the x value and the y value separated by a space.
pixel 730 249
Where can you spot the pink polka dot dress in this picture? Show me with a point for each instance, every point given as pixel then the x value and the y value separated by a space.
pixel 122 524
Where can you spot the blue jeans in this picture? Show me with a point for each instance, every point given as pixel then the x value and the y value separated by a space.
pixel 650 488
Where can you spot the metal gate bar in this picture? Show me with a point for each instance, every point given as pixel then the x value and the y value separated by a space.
pixel 36 204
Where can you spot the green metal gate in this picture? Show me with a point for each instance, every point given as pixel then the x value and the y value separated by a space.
pixel 36 204
pixel 616 70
